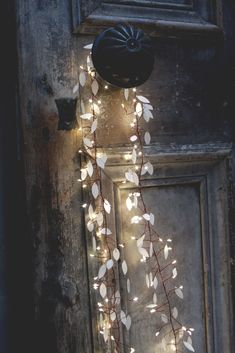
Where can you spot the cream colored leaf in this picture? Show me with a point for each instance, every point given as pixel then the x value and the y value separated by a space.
pixel 126 93
pixel 140 241
pixel 189 346
pixel 101 161
pixel 82 78
pixel 90 168
pixel 95 87
pixel 109 264
pixel 116 254
pixel 146 216
pixel 147 280
pixel 107 206
pixel 124 267
pixel 95 190
pixel 155 282
pixel 103 290
pixel 151 306
pixel 88 46
pixel 94 126
pixel 75 88
pixel 175 313
pixel 147 115
pixel 142 99
pixel 179 293
pixel 149 168
pixel 147 138
pixel 174 273
pixel 94 244
pixel 102 271
pixel 123 317
pixel 113 316
pixel 155 298
pixel 143 252
pixel 106 231
pixel 148 106
pixel 164 318
pixel 87 142
pixel 152 218
pixel 134 156
pixel 90 226
pixel 128 322
pixel 100 219
pixel 91 212
pixel 129 203
pixel 151 250
pixel 83 174
pixel 166 251
pixel 128 285
pixel 106 334
pixel 139 109
pixel 86 116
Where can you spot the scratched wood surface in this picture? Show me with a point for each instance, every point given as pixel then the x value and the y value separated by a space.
pixel 190 107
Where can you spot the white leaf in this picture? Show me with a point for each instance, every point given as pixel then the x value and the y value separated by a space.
pixel 144 169
pixel 86 116
pixel 116 254
pixel 142 99
pixel 139 109
pixel 128 285
pixel 113 316
pixel 189 340
pixel 96 109
pixel 90 212
pixel 140 241
pixel 147 280
pixel 117 298
pixel 83 174
pixel 102 271
pixel 103 290
pixel 143 252
pixel 149 168
pixel 123 317
pixel 147 115
pixel 155 282
pixel 94 126
pixel 99 219
pixel 135 178
pixel 129 203
pixel 95 190
pixel 90 226
pixel 134 156
pixel 147 138
pixel 94 244
pixel 106 231
pixel 166 251
pixel 135 201
pixel 90 168
pixel 164 318
pixel 109 264
pixel 135 219
pixel 151 218
pixel 87 142
pixel 151 250
pixel 155 298
pixel 107 206
pixel 174 273
pixel 179 293
pixel 88 46
pixel 82 78
pixel 101 161
pixel 95 87
pixel 128 322
pixel 151 306
pixel 189 346
pixel 106 334
pixel 148 106
pixel 124 267
pixel 89 62
pixel 75 88
pixel 133 138
pixel 126 93
pixel 175 313
pixel 146 216
pixel 157 333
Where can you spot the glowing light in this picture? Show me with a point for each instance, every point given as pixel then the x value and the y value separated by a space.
pixel 134 89
pixel 84 186
pixel 135 299
pixel 106 87
pixel 84 205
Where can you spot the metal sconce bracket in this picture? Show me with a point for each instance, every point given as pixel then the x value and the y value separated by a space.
pixel 67 108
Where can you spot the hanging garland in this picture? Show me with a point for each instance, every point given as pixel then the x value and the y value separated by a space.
pixel 155 252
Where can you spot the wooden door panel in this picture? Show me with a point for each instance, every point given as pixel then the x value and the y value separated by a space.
pixel 177 211
pixel 181 195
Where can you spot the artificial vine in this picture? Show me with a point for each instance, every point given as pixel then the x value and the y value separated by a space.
pixel 161 271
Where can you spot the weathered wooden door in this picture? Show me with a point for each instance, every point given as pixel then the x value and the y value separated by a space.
pixel 190 192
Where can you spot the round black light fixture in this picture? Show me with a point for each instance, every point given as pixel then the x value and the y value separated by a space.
pixel 123 56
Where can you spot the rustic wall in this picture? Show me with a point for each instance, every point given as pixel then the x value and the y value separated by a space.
pixel 192 90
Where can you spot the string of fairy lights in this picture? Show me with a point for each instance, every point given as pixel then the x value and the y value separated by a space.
pixel 154 251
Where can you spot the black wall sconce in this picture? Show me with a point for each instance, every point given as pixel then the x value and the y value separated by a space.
pixel 67 113
pixel 123 56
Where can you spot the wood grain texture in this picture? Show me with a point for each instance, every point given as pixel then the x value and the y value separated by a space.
pixel 191 93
